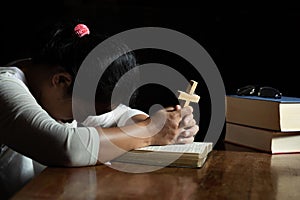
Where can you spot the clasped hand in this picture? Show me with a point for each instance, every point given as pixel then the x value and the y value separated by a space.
pixel 174 125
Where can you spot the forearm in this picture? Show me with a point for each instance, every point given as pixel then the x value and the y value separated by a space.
pixel 162 128
pixel 118 140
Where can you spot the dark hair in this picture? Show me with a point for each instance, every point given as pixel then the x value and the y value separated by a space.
pixel 60 46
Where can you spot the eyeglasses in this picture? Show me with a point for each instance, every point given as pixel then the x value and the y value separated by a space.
pixel 265 91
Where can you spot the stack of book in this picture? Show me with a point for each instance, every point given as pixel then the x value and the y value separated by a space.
pixel 266 124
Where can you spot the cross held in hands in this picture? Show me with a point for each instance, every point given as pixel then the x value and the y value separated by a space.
pixel 189 95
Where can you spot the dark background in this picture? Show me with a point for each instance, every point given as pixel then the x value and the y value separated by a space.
pixel 251 43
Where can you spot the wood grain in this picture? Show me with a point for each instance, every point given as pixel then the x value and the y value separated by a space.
pixel 225 175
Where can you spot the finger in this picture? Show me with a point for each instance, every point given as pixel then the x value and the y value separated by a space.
pixel 186 134
pixel 186 110
pixel 182 140
pixel 194 130
pixel 190 132
pixel 178 107
pixel 187 121
pixel 191 123
pixel 173 108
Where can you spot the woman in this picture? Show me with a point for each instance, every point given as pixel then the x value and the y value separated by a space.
pixel 36 116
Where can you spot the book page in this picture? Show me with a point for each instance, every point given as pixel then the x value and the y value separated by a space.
pixel 177 155
pixel 195 147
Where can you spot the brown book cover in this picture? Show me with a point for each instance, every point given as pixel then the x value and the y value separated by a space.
pixel 274 142
pixel 268 113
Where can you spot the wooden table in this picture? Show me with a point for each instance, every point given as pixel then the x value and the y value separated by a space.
pixel 227 174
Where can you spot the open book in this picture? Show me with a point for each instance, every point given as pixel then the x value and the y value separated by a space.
pixel 176 155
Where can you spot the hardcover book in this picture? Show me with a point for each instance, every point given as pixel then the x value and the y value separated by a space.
pixel 275 114
pixel 275 142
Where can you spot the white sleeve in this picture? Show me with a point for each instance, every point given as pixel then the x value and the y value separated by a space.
pixel 117 117
pixel 127 114
pixel 28 129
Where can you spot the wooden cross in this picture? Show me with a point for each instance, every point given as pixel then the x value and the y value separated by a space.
pixel 189 95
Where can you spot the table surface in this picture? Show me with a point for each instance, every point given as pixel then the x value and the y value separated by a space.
pixel 227 174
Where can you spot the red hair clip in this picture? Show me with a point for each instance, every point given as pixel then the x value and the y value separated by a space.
pixel 81 30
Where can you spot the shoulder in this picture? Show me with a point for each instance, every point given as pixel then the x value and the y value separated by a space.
pixel 12 74
pixel 13 92
pixel 10 71
pixel 11 80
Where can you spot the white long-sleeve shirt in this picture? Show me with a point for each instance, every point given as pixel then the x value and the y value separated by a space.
pixel 28 130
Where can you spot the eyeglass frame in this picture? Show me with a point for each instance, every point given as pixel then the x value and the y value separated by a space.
pixel 253 90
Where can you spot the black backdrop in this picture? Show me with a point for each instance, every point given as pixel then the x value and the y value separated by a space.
pixel 251 43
